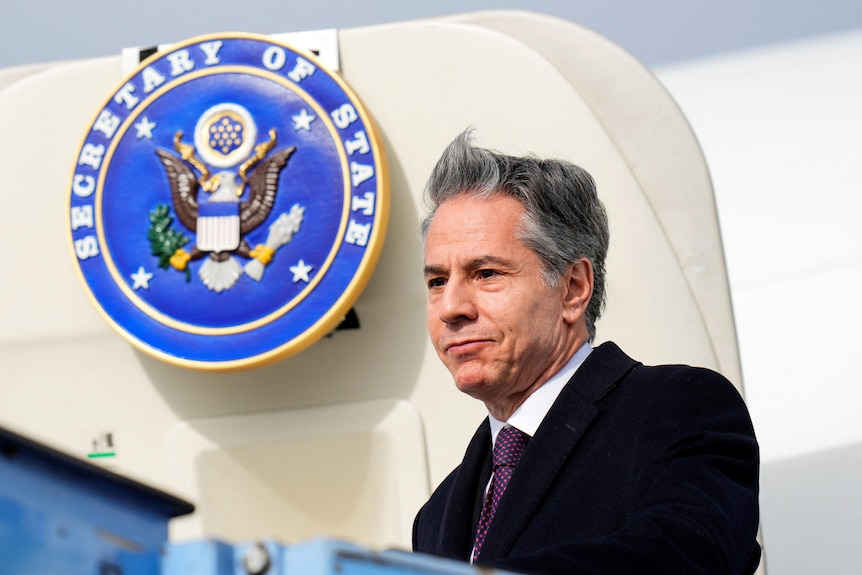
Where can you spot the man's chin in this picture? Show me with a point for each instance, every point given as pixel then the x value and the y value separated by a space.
pixel 475 387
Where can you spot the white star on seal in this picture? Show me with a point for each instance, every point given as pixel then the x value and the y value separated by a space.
pixel 300 271
pixel 303 121
pixel 145 128
pixel 142 278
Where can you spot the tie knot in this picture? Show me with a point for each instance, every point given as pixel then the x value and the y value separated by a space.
pixel 509 446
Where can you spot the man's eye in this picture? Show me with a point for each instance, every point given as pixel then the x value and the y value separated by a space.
pixel 486 274
pixel 436 282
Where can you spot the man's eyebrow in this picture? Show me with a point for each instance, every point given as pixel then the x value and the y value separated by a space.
pixel 485 260
pixel 432 270
pixel 473 264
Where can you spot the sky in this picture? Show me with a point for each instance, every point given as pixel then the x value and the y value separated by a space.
pixel 657 32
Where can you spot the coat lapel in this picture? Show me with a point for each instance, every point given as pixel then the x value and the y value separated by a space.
pixel 456 535
pixel 557 436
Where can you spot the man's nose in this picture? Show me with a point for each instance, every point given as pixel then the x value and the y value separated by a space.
pixel 457 303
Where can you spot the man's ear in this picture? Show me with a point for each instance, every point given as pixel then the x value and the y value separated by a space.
pixel 577 284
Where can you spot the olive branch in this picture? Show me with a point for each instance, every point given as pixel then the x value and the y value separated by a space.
pixel 164 239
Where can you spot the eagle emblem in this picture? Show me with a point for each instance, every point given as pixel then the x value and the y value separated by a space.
pixel 228 203
pixel 223 199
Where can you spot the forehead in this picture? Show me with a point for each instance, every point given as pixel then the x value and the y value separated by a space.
pixel 469 224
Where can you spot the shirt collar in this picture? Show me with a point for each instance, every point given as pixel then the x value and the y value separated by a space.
pixel 530 414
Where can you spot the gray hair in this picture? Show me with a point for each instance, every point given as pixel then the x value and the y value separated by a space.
pixel 563 220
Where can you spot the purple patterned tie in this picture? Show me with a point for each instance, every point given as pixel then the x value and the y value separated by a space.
pixel 507 452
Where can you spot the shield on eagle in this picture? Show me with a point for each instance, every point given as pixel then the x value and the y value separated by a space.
pixel 218 217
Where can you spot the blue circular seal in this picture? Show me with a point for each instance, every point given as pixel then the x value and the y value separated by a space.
pixel 228 203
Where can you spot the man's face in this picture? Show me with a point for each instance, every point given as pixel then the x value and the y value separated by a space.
pixel 498 329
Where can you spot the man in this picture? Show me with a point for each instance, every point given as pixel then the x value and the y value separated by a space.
pixel 626 468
